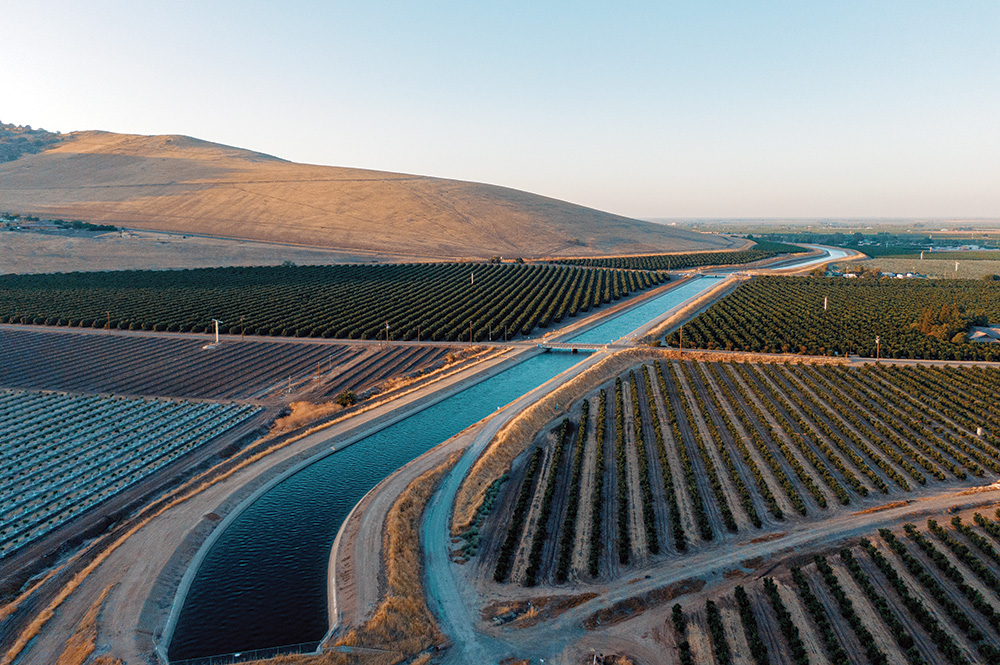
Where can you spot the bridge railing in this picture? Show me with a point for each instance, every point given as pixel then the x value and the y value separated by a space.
pixel 251 654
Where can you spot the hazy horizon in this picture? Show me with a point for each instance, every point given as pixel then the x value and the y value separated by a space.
pixel 679 111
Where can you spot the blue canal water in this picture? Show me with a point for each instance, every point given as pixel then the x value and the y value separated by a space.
pixel 263 582
pixel 621 325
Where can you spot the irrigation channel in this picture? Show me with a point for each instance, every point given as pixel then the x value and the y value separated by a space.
pixel 263 580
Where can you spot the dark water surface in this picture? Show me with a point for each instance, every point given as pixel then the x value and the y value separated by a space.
pixel 263 582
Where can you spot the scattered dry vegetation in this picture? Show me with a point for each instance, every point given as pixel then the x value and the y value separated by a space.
pixel 631 607
pixel 402 625
pixel 82 643
pixel 403 619
pixel 303 413
pixel 527 613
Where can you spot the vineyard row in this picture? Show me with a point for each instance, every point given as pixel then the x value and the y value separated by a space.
pixel 920 597
pixel 675 454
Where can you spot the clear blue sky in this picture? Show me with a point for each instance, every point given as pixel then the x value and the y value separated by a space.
pixel 650 109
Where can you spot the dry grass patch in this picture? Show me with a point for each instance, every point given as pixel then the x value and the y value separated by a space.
pixel 403 622
pixel 82 643
pixel 636 605
pixel 527 613
pixel 886 506
pixel 303 413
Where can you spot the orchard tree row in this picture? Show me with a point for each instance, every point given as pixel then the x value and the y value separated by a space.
pixel 453 301
pixel 837 316
pixel 758 252
pixel 673 456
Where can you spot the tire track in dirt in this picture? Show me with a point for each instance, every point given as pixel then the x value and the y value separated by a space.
pixel 560 503
pixel 845 634
pixel 734 632
pixel 688 441
pixel 767 627
pixel 701 645
pixel 608 565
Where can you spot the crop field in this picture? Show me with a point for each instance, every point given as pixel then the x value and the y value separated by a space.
pixel 175 367
pixel 925 594
pixel 459 301
pixel 760 251
pixel 63 454
pixel 939 268
pixel 675 456
pixel 912 318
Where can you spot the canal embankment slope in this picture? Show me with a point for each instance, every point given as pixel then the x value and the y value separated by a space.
pixel 147 565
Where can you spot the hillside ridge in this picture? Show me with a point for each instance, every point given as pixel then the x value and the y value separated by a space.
pixel 188 185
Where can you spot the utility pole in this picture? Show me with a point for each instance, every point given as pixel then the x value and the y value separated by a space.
pixel 387 333
pixel 108 326
pixel 825 302
pixel 878 348
pixel 418 332
pixel 241 329
pixel 682 337
pixel 470 331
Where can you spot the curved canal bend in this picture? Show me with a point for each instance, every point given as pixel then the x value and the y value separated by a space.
pixel 262 582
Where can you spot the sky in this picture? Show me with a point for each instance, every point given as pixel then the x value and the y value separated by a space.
pixel 649 109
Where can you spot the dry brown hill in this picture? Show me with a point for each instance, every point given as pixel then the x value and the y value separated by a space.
pixel 177 183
